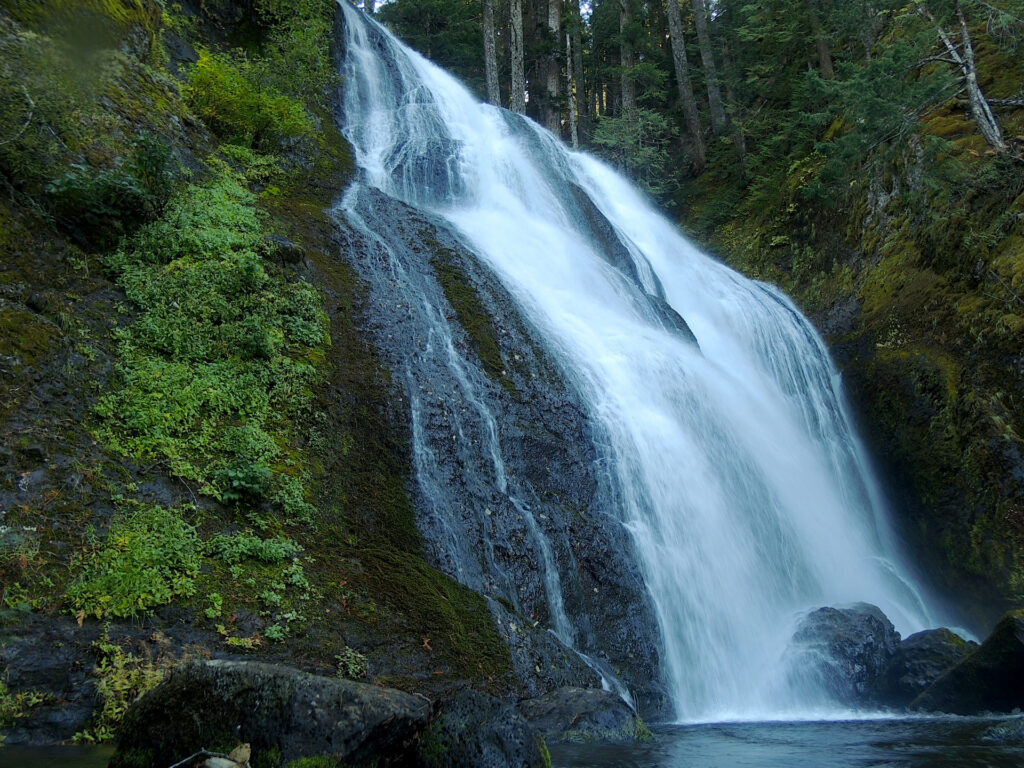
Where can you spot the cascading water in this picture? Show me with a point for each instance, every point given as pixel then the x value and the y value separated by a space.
pixel 729 454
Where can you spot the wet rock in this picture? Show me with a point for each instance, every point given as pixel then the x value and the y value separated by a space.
pixel 514 413
pixel 846 650
pixel 49 658
pixel 918 662
pixel 991 679
pixel 584 715
pixel 474 730
pixel 32 452
pixel 215 704
pixel 283 250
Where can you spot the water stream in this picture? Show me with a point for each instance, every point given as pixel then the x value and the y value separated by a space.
pixel 727 445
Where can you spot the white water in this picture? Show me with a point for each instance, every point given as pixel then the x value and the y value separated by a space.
pixel 740 477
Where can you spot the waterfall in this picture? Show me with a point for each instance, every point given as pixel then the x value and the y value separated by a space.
pixel 724 442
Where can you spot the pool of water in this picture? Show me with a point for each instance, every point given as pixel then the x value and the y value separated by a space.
pixel 55 757
pixel 905 743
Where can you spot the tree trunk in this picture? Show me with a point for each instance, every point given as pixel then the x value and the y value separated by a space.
pixel 719 121
pixel 627 57
pixel 689 102
pixel 980 109
pixel 570 92
pixel 490 55
pixel 582 90
pixel 552 111
pixel 517 94
pixel 820 41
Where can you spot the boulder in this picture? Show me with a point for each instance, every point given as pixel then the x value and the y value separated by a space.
pixel 584 715
pixel 474 730
pixel 918 662
pixel 845 650
pixel 989 680
pixel 284 714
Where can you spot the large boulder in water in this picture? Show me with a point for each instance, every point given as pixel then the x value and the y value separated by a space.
pixel 474 730
pixel 846 650
pixel 283 713
pixel 918 662
pixel 584 715
pixel 989 680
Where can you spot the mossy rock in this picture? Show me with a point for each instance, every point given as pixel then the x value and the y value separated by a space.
pixel 216 704
pixel 989 680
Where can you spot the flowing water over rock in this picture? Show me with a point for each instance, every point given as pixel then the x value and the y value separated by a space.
pixel 616 436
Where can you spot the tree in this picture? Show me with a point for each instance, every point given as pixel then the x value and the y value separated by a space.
pixel 961 56
pixel 691 114
pixel 552 113
pixel 490 54
pixel 517 93
pixel 719 120
pixel 627 59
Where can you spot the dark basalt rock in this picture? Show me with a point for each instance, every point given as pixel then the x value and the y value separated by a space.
pixel 989 680
pixel 847 649
pixel 511 413
pixel 474 730
pixel 918 662
pixel 216 704
pixel 584 715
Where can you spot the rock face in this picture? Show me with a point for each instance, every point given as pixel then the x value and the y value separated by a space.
pixel 918 662
pixel 508 488
pixel 584 715
pixel 278 710
pixel 474 730
pixel 989 680
pixel 846 649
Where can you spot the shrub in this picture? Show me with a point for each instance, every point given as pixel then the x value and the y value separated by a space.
pixel 228 96
pixel 105 203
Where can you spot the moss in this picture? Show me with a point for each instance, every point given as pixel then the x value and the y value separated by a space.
pixel 320 761
pixel 472 314
pixel 26 335
pixel 455 619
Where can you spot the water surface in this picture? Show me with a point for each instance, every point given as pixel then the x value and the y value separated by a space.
pixel 904 743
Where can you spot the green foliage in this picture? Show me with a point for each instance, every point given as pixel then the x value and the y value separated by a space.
pixel 121 679
pixel 446 31
pixel 320 761
pixel 148 557
pixel 15 705
pixel 237 547
pixel 638 143
pixel 351 664
pixel 106 203
pixel 223 354
pixel 227 94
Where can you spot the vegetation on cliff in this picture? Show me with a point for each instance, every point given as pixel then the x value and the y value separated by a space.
pixel 196 434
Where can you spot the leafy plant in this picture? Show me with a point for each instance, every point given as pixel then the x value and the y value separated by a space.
pixel 121 679
pixel 149 556
pixel 351 664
